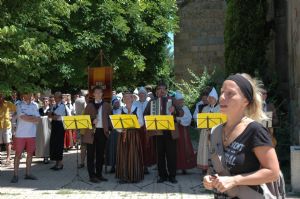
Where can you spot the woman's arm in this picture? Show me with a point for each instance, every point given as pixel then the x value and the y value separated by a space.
pixel 269 171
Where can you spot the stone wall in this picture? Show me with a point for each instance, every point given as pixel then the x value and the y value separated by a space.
pixel 293 35
pixel 200 41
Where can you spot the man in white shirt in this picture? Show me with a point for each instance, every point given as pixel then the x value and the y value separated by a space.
pixel 28 117
pixel 95 139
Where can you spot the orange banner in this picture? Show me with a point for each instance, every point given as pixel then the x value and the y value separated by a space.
pixel 101 76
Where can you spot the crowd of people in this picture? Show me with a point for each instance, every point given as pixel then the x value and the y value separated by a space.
pixel 249 151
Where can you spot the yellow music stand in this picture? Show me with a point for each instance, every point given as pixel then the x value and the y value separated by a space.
pixel 77 122
pixel 209 120
pixel 159 122
pixel 124 121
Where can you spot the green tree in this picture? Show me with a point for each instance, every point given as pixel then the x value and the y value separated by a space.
pixel 50 43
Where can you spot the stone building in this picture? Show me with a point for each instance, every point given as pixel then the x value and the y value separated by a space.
pixel 200 42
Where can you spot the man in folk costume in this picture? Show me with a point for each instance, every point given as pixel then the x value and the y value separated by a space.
pixel 129 163
pixel 165 140
pixel 186 158
pixel 96 138
pixel 202 155
pixel 147 141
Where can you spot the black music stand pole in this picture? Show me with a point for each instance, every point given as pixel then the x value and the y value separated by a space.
pixel 77 177
pixel 156 177
pixel 208 119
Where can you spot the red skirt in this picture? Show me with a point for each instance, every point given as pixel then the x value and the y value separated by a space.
pixel 148 147
pixel 186 157
pixel 69 139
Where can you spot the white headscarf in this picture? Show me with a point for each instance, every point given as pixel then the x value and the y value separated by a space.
pixel 213 93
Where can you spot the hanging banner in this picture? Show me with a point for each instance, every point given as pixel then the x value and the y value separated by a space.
pixel 101 76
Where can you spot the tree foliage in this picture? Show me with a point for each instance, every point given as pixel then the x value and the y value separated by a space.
pixel 246 36
pixel 50 43
pixel 193 88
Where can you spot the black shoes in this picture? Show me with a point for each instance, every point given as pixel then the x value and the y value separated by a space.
pixel 97 179
pixel 101 178
pixel 30 177
pixel 161 180
pixel 57 168
pixel 172 180
pixel 94 180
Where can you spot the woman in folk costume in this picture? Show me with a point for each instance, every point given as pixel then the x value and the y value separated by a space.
pixel 57 131
pixel 70 135
pixel 147 141
pixel 130 167
pixel 202 155
pixel 111 147
pixel 186 158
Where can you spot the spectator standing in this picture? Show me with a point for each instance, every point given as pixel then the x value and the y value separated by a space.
pixel 28 117
pixel 7 110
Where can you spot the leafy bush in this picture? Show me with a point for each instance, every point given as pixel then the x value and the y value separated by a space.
pixel 193 88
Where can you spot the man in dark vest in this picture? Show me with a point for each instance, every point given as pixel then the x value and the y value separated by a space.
pixel 165 140
pixel 96 138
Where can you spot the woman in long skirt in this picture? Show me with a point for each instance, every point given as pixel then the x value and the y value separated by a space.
pixel 186 157
pixel 129 167
pixel 202 155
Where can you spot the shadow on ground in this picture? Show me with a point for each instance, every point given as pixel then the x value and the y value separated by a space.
pixel 66 181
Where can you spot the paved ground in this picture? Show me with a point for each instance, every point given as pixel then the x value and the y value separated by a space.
pixel 65 184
